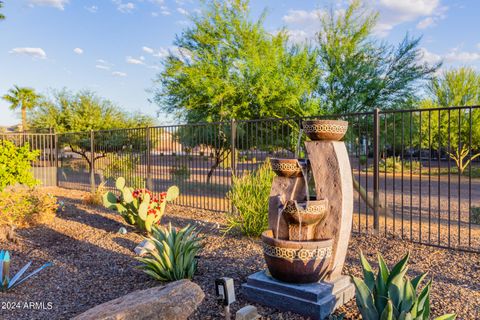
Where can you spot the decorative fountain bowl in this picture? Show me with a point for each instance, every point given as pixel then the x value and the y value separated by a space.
pixel 325 129
pixel 296 261
pixel 288 167
pixel 305 212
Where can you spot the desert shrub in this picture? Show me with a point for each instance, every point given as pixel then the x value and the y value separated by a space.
pixel 180 173
pixel 124 166
pixel 392 295
pixel 392 164
pixel 249 196
pixel 95 198
pixel 24 207
pixel 173 257
pixel 15 165
pixel 475 215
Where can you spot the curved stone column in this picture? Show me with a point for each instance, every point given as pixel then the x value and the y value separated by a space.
pixel 330 166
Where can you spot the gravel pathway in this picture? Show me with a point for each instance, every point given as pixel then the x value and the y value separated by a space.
pixel 94 264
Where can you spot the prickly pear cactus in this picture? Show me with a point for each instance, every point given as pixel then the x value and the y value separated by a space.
pixel 139 207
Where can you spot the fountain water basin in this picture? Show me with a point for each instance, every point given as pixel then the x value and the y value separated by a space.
pixel 296 261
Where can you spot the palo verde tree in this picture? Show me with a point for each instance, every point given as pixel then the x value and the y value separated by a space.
pixel 454 130
pixel 22 98
pixel 229 67
pixel 77 114
pixel 2 16
pixel 359 72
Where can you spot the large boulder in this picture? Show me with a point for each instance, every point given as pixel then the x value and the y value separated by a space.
pixel 174 301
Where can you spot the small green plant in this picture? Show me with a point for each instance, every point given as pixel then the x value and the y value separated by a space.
pixel 249 196
pixel 15 165
pixel 180 173
pixel 392 295
pixel 363 160
pixel 475 215
pixel 173 257
pixel 139 207
pixel 8 283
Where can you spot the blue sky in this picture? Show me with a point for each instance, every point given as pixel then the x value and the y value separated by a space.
pixel 115 47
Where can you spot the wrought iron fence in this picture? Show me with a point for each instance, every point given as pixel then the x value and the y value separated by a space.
pixel 411 173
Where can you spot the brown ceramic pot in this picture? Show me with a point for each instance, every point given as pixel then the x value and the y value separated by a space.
pixel 325 129
pixel 305 212
pixel 296 261
pixel 289 168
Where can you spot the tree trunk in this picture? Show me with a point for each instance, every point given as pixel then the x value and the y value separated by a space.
pixel 369 201
pixel 24 119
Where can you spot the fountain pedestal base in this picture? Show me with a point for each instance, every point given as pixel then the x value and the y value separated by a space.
pixel 315 300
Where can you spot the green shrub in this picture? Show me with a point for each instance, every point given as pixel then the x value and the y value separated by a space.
pixel 173 257
pixel 249 196
pixel 362 160
pixel 180 173
pixel 124 166
pixel 475 215
pixel 392 164
pixel 15 165
pixel 392 295
pixel 25 207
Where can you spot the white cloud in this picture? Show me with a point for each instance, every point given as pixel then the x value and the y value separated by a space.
pixel 183 11
pixel 302 16
pixel 148 50
pixel 59 4
pixel 159 2
pixel 478 45
pixel 131 60
pixel 124 7
pixel 78 50
pixel 119 74
pixel 425 23
pixel 165 12
pixel 394 12
pixel 92 9
pixel 103 67
pixel 430 57
pixel 33 52
pixel 455 55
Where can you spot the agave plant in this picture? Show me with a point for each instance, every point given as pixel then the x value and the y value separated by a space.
pixel 392 295
pixel 173 257
pixel 10 283
pixel 139 207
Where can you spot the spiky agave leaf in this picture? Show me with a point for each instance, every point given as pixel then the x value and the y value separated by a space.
pixel 174 255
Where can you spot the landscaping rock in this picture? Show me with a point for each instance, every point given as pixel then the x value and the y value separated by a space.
pixel 143 247
pixel 174 301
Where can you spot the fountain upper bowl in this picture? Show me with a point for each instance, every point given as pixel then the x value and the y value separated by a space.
pixel 288 167
pixel 305 212
pixel 325 129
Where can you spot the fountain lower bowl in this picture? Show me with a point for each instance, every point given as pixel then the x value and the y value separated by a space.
pixel 296 261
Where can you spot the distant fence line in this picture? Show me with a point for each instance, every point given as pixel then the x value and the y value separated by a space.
pixel 404 164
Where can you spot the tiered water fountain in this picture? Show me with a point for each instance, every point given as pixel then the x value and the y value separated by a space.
pixel 307 240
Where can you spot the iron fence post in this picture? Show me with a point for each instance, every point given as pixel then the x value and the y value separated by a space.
pixel 376 169
pixel 92 162
pixel 233 133
pixel 56 157
pixel 148 160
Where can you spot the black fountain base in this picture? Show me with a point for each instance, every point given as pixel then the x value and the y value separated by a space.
pixel 315 300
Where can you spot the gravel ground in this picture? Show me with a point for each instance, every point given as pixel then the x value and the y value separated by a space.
pixel 94 264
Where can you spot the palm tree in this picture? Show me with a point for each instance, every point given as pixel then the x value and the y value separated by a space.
pixel 23 98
